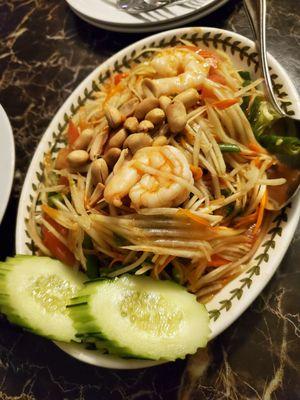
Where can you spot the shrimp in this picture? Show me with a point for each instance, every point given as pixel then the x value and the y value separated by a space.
pixel 178 70
pixel 149 189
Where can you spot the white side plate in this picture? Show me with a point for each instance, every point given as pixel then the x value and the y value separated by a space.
pixel 7 160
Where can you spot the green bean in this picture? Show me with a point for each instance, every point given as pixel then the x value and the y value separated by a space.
pixel 229 148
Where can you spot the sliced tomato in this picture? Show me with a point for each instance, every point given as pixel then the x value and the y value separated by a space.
pixel 56 248
pixel 63 180
pixel 73 133
pixel 59 228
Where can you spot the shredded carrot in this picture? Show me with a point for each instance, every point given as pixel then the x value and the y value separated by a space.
pixel 261 212
pixel 207 94
pixel 186 213
pixel 52 212
pixel 113 90
pixel 247 220
pixel 256 161
pixel 255 147
pixel 223 104
pixel 119 77
pixel 197 172
pixel 158 268
pixel 191 48
pixel 205 53
pixel 229 279
pixel 161 267
pixel 217 261
pixel 217 78
pixel 194 275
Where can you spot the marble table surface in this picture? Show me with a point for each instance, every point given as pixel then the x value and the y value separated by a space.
pixel 45 51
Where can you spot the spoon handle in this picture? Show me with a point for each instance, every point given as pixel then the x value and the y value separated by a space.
pixel 256 13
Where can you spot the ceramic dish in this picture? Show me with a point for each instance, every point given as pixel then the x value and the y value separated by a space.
pixel 232 301
pixel 7 160
pixel 104 14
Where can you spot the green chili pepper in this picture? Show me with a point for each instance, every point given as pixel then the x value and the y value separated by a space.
pixel 229 148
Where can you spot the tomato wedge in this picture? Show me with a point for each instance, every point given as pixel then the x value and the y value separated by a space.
pixel 73 133
pixel 54 245
pixel 59 228
pixel 63 180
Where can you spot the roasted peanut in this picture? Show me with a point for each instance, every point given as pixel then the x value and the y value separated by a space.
pixel 189 97
pixel 113 116
pixel 117 139
pixel 156 116
pixel 99 171
pixel 131 124
pixel 78 158
pixel 112 156
pixel 137 141
pixel 176 116
pixel 82 142
pixel 164 101
pixel 145 126
pixel 144 107
pixel 160 141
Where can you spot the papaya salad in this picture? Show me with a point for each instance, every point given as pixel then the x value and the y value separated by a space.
pixel 164 172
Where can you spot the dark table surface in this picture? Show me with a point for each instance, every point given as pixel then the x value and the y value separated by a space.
pixel 45 51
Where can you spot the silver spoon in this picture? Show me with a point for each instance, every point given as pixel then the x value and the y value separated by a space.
pixel 256 13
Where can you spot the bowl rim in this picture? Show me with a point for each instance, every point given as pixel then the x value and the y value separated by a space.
pixel 110 361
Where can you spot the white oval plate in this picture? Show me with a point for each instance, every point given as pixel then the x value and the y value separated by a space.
pixel 232 301
pixel 7 160
pixel 105 13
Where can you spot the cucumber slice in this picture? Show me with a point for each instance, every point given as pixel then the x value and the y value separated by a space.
pixel 139 317
pixel 34 292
